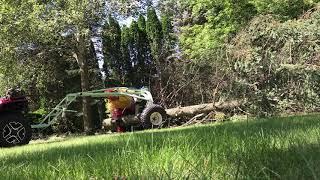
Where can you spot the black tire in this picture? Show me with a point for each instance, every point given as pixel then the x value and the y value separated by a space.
pixel 153 116
pixel 15 130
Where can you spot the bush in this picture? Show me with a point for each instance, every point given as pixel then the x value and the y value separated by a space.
pixel 277 64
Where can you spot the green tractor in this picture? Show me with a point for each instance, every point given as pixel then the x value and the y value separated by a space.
pixel 16 128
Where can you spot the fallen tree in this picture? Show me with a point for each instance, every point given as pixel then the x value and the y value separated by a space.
pixel 204 108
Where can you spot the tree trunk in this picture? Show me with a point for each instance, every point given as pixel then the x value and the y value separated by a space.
pixel 80 56
pixel 86 108
pixel 202 108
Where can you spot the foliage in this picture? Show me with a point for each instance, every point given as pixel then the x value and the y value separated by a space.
pixel 141 54
pixel 207 25
pixel 112 49
pixel 187 52
pixel 145 47
pixel 131 58
pixel 45 41
pixel 285 9
pixel 155 36
pixel 169 39
pixel 272 63
pixel 126 49
pixel 278 63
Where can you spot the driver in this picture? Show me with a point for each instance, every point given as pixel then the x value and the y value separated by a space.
pixel 118 106
pixel 118 102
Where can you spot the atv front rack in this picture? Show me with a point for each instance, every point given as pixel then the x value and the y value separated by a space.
pixel 62 107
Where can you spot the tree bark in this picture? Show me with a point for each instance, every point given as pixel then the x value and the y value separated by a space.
pixel 86 108
pixel 202 108
pixel 80 56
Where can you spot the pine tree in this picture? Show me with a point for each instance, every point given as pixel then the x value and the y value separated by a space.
pixel 106 40
pixel 112 49
pixel 145 51
pixel 169 41
pixel 155 36
pixel 140 53
pixel 133 36
pixel 126 49
pixel 142 23
pixel 154 32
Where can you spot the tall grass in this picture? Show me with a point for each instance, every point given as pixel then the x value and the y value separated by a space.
pixel 278 148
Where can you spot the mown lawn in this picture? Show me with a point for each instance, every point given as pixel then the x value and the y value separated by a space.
pixel 279 148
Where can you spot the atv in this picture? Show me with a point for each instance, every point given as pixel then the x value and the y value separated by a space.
pixel 16 128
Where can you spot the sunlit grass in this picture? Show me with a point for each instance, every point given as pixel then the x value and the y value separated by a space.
pixel 286 148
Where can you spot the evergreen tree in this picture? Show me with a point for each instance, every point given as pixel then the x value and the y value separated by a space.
pixel 126 49
pixel 106 41
pixel 134 34
pixel 142 23
pixel 155 36
pixel 169 41
pixel 112 49
pixel 141 53
pixel 145 59
pixel 154 32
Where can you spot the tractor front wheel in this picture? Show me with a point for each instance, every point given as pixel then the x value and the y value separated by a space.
pixel 15 130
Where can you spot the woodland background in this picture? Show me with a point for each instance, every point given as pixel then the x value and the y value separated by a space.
pixel 266 53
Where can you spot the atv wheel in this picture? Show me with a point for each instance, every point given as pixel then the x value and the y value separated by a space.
pixel 14 130
pixel 153 116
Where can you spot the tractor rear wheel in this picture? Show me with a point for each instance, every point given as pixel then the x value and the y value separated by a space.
pixel 153 116
pixel 15 130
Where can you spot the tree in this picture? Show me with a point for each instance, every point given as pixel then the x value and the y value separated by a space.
pixel 141 52
pixel 81 16
pixel 286 9
pixel 112 49
pixel 142 23
pixel 15 32
pixel 155 36
pixel 126 50
pixel 276 64
pixel 154 32
pixel 145 57
pixel 134 52
pixel 208 24
pixel 169 40
pixel 37 23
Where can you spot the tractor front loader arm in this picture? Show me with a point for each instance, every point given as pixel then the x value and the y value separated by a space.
pixel 62 107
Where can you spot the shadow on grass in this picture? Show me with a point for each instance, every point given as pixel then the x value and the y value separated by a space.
pixel 233 129
pixel 298 161
pixel 283 125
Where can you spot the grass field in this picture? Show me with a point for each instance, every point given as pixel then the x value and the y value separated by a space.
pixel 279 148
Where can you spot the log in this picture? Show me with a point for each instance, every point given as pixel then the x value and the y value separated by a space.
pixel 203 108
